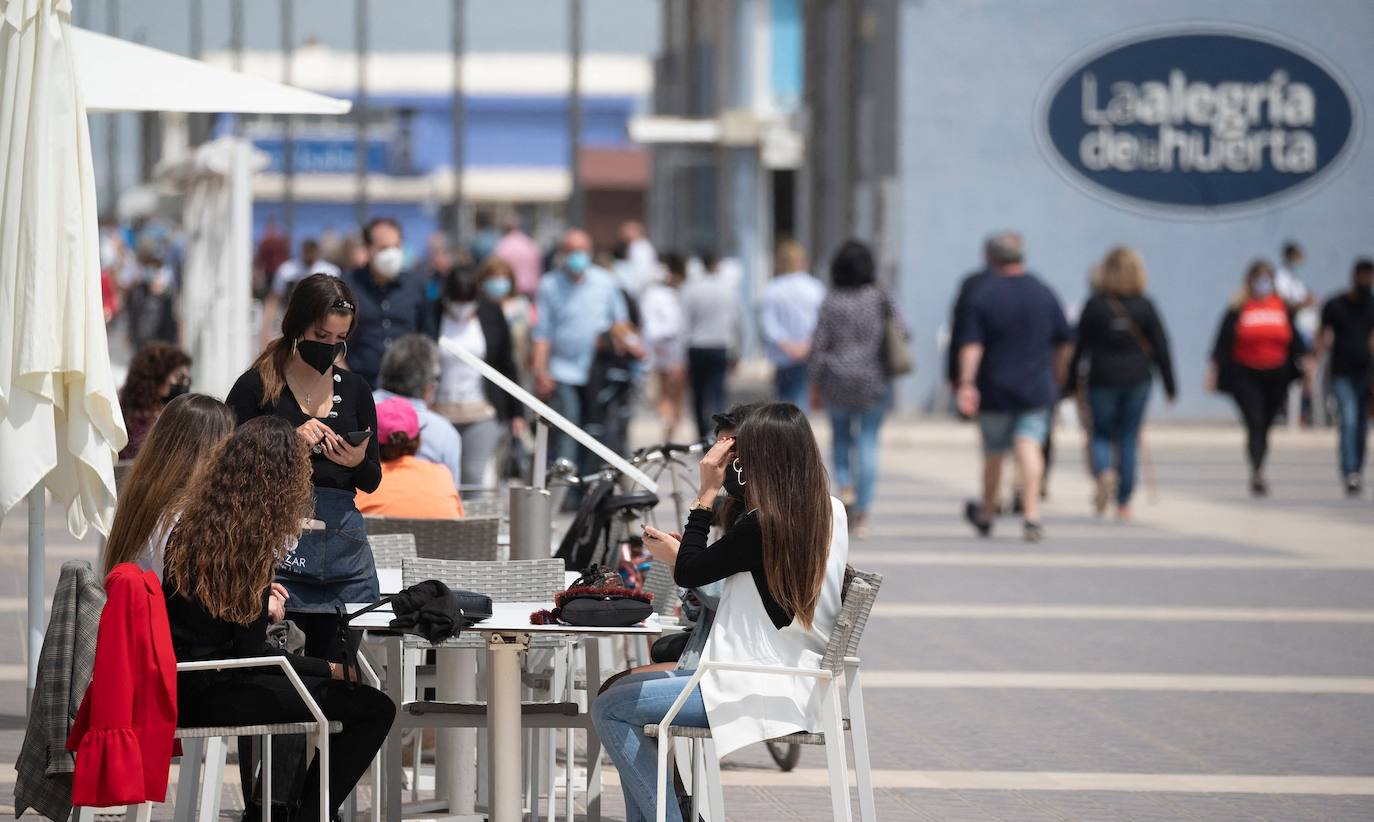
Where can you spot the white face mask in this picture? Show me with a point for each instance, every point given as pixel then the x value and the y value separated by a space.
pixel 462 311
pixel 387 262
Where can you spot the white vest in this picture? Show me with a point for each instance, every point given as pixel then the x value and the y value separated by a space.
pixel 745 708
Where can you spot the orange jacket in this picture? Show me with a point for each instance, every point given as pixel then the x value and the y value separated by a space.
pixel 124 731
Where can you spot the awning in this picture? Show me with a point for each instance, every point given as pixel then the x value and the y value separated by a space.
pixel 116 75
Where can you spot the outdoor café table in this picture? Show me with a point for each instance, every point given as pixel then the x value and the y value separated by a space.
pixel 505 634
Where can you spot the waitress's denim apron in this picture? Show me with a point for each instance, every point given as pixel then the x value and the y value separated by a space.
pixel 334 565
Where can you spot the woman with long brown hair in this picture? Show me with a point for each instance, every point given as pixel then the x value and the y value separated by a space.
pixel 186 431
pixel 783 564
pixel 298 377
pixel 1258 353
pixel 243 510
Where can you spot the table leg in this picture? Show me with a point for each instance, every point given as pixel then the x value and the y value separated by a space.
pixel 446 764
pixel 465 786
pixel 593 647
pixel 391 756
pixel 503 723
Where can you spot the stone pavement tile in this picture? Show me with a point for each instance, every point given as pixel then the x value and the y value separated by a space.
pixel 1142 586
pixel 1120 731
pixel 1113 539
pixel 1118 647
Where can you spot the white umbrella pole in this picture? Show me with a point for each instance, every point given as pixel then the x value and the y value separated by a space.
pixel 37 587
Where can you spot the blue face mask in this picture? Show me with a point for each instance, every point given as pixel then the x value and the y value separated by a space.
pixel 577 262
pixel 1262 287
pixel 497 288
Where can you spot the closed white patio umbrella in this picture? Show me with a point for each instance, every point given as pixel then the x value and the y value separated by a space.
pixel 60 424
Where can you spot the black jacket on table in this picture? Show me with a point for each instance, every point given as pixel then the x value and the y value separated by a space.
pixel 500 355
pixel 354 410
pixel 1110 335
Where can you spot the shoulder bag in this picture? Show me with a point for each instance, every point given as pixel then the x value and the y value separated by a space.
pixel 897 358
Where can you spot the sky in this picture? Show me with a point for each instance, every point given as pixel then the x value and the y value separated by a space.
pixel 619 26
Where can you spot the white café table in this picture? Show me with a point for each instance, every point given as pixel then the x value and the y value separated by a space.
pixel 506 633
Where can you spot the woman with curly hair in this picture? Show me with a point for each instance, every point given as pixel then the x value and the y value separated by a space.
pixel 244 508
pixel 299 378
pixel 189 427
pixel 158 373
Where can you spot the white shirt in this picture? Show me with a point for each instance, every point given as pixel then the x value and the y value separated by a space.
pixel 292 271
pixel 661 321
pixel 710 309
pixel 458 381
pixel 644 258
pixel 745 708
pixel 791 303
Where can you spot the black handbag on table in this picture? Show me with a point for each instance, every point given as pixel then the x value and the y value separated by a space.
pixel 597 599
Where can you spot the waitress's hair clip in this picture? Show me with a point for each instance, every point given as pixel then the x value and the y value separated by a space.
pixel 342 304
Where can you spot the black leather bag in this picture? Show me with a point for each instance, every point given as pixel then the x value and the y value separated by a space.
pixel 598 599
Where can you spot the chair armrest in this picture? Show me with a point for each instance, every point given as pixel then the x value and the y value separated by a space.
pixel 665 724
pixel 263 662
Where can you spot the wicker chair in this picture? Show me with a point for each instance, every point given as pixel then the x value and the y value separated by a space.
pixel 390 550
pixel 843 712
pixel 473 538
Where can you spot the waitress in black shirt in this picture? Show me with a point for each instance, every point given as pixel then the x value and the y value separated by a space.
pixel 295 377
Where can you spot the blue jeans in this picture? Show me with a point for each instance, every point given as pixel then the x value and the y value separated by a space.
pixel 790 383
pixel 1117 414
pixel 842 432
pixel 620 715
pixel 567 400
pixel 1352 403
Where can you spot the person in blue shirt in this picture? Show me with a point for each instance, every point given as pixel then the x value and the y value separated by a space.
pixel 391 303
pixel 787 318
pixel 577 303
pixel 1013 359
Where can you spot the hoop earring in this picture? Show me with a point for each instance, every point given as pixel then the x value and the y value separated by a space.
pixel 739 472
pixel 344 355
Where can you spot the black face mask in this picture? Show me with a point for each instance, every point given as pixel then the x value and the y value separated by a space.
pixel 175 390
pixel 734 481
pixel 1363 293
pixel 318 355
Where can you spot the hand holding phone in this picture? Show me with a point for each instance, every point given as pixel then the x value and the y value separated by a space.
pixel 356 438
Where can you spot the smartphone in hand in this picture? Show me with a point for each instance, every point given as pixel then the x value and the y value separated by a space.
pixel 356 438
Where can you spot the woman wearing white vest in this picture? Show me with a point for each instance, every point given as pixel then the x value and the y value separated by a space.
pixel 783 565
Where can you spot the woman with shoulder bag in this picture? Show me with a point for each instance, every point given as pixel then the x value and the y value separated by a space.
pixel 1258 354
pixel 1121 341
pixel 852 374
pixel 298 378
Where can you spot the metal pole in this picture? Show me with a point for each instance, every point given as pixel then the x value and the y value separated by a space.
pixel 112 124
pixel 457 25
pixel 38 590
pixel 288 143
pixel 575 216
pixel 197 124
pixel 360 111
pixel 236 49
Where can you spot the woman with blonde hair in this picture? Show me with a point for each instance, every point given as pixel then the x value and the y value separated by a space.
pixel 1258 353
pixel 186 431
pixel 244 508
pixel 1121 342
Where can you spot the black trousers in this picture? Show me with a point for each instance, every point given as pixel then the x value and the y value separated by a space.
pixel 1259 395
pixel 706 370
pixel 263 698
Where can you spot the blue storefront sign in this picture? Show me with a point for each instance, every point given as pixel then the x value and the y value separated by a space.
pixel 1197 121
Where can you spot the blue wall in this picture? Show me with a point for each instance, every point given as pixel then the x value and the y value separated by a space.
pixel 970 164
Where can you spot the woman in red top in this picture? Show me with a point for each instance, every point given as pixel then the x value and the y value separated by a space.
pixel 1257 354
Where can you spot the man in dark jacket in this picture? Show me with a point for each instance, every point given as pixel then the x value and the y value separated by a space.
pixel 391 302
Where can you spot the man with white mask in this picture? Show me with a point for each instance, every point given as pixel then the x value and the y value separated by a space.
pixel 391 302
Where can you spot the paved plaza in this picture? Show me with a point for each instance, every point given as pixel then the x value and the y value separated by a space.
pixel 1213 661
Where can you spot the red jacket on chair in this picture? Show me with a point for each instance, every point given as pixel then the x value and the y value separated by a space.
pixel 124 731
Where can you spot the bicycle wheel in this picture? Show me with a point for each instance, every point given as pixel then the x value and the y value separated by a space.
pixel 785 754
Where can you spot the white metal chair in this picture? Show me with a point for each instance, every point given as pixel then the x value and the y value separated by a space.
pixel 841 705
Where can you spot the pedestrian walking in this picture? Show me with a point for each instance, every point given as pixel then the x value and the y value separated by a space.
pixel 496 278
pixel 577 303
pixel 391 303
pixel 1347 332
pixel 1013 359
pixel 1121 342
pixel 710 310
pixel 481 412
pixel 851 376
pixel 664 333
pixel 1302 301
pixel 968 286
pixel 1258 354
pixel 517 248
pixel 148 289
pixel 788 312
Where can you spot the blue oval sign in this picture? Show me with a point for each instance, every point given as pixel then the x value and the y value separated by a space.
pixel 1200 120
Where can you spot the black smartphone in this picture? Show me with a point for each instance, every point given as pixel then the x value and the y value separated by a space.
pixel 356 438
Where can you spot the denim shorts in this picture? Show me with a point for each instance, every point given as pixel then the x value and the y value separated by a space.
pixel 1001 428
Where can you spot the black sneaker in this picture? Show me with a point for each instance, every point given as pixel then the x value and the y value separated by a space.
pixel 1032 532
pixel 973 514
pixel 1354 485
pixel 1258 487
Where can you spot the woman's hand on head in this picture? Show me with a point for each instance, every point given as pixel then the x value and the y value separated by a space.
pixel 346 454
pixel 713 468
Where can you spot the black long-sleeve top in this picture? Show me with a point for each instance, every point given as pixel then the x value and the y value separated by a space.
pixel 1116 358
pixel 739 550
pixel 354 410
pixel 196 635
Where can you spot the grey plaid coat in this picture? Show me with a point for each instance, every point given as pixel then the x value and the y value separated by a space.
pixel 44 781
